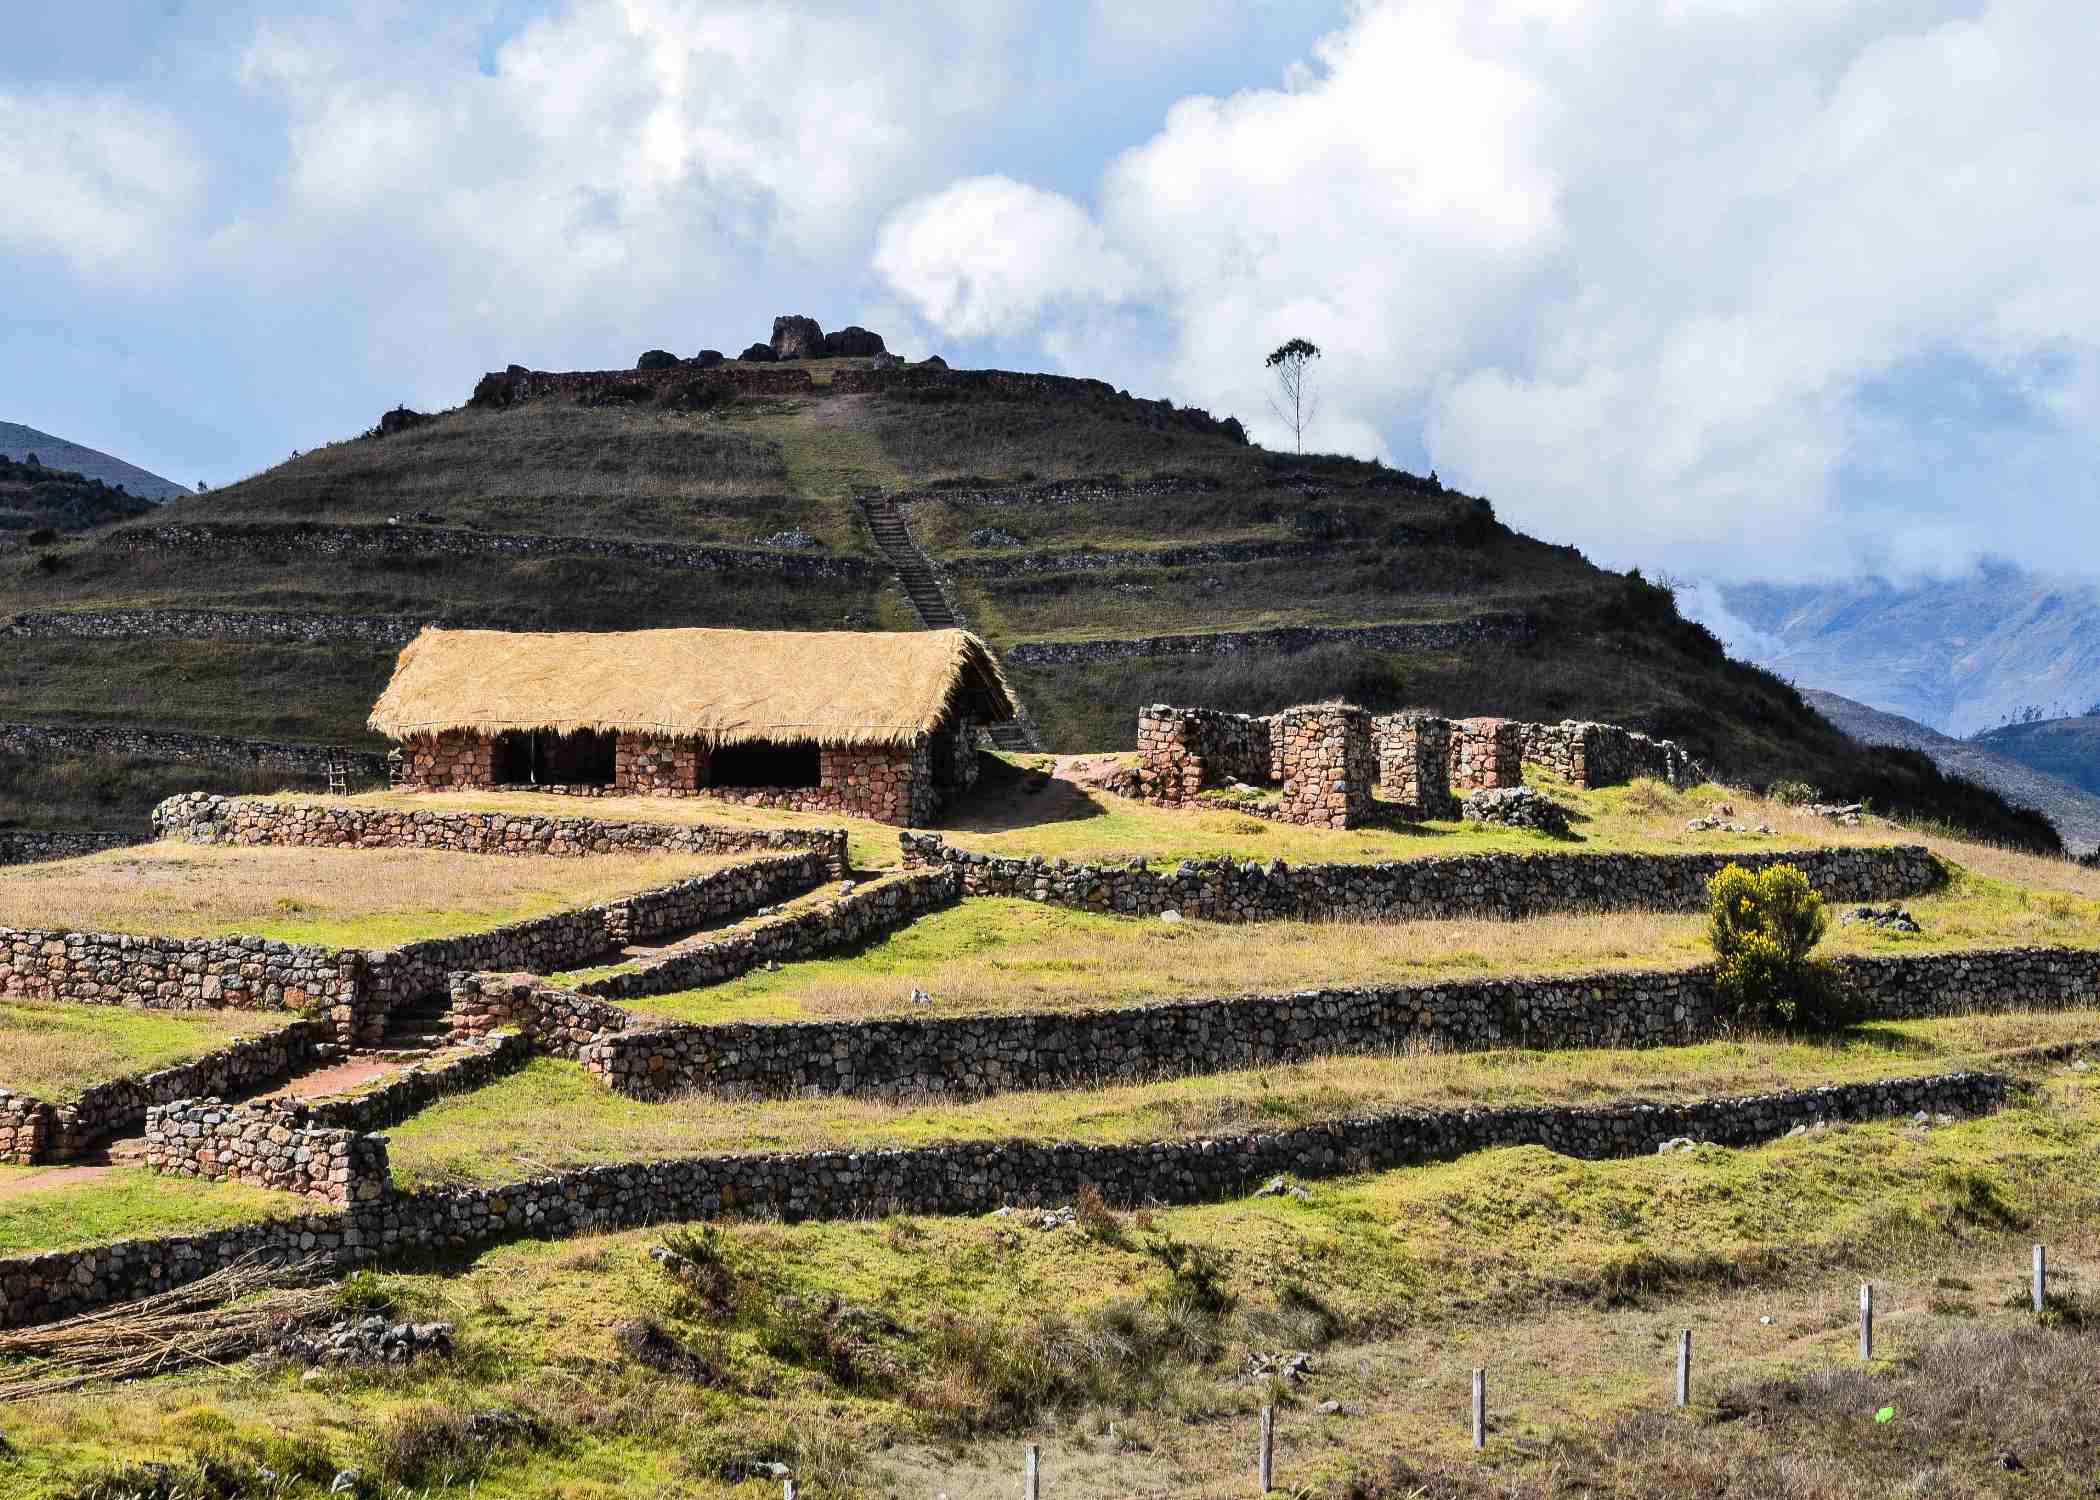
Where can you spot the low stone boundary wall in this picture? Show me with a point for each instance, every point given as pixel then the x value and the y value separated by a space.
pixel 201 818
pixel 33 1131
pixel 314 538
pixel 1431 635
pixel 553 1020
pixel 28 846
pixel 485 1060
pixel 970 1056
pixel 880 907
pixel 1466 885
pixel 264 626
pixel 273 1144
pixel 970 1177
pixel 55 741
pixel 166 973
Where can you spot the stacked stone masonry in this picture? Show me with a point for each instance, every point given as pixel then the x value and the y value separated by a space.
pixel 1486 753
pixel 269 626
pixel 412 1089
pixel 199 818
pixel 1327 764
pixel 28 846
pixel 50 1132
pixel 891 784
pixel 882 906
pixel 1594 755
pixel 1322 755
pixel 1414 763
pixel 1468 885
pixel 972 1177
pixel 976 1055
pixel 273 1144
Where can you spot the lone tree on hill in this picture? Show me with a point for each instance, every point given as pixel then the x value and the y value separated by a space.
pixel 1299 405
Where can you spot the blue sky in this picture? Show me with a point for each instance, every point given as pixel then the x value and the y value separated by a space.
pixel 1789 290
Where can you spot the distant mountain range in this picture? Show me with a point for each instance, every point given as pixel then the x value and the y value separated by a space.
pixel 1960 655
pixel 18 442
pixel 2007 760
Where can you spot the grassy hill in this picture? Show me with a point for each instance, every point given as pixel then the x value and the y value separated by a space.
pixel 18 442
pixel 1061 510
pixel 37 501
pixel 2065 748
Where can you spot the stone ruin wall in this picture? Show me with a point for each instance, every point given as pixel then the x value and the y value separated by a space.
pixel 272 1144
pixel 60 741
pixel 970 1177
pixel 28 846
pixel 1486 753
pixel 1320 755
pixel 202 818
pixel 1592 755
pixel 1432 887
pixel 1414 763
pixel 882 782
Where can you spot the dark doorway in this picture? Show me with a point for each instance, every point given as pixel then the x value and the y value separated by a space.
pixel 944 752
pixel 764 763
pixel 536 758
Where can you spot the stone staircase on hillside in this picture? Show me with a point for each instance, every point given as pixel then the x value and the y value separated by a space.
pixel 923 588
pixel 416 1030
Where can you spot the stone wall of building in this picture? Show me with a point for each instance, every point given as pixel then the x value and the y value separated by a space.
pixel 28 846
pixel 45 742
pixel 26 1128
pixel 270 1144
pixel 1183 752
pixel 882 906
pixel 971 1177
pixel 1467 885
pixel 888 783
pixel 200 818
pixel 1433 635
pixel 1486 753
pixel 1414 763
pixel 1327 763
pixel 1592 755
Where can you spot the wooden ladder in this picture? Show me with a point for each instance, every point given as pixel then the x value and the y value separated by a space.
pixel 338 777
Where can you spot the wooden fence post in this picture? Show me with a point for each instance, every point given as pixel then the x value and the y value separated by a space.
pixel 2041 1278
pixel 1684 1368
pixel 1265 1455
pixel 1031 1473
pixel 1480 1409
pixel 1866 1320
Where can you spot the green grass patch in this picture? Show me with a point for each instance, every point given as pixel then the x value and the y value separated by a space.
pixel 51 1050
pixel 120 1203
pixel 550 1116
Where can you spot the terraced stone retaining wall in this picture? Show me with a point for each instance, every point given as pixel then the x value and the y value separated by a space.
pixel 33 1131
pixel 972 1177
pixel 57 741
pixel 311 538
pixel 970 1056
pixel 165 973
pixel 273 1144
pixel 258 625
pixel 28 846
pixel 882 906
pixel 1096 560
pixel 201 818
pixel 408 1092
pixel 1433 635
pixel 1467 885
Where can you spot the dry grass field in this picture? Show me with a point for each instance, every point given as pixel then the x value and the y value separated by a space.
pixel 347 897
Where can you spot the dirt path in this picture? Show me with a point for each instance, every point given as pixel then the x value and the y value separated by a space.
pixel 336 1079
pixel 53 1177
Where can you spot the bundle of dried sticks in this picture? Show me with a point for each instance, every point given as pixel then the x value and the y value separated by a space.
pixel 224 1316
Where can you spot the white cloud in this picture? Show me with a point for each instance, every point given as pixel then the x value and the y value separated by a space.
pixel 92 179
pixel 989 257
pixel 1631 265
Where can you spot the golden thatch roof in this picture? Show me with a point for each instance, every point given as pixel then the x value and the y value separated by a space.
pixel 724 687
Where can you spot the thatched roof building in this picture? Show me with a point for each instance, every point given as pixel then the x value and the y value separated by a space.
pixel 877 723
